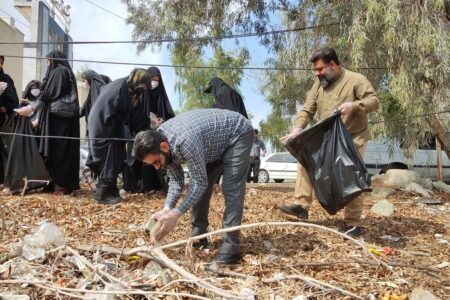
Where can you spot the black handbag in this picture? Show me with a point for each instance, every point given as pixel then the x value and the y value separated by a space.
pixel 67 106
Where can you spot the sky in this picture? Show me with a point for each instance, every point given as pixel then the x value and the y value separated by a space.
pixel 92 23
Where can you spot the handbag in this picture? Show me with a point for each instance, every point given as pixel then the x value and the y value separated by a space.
pixel 67 106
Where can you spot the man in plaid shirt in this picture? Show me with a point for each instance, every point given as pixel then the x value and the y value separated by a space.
pixel 209 141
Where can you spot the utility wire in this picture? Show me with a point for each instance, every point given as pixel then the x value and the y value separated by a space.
pixel 104 9
pixel 130 140
pixel 182 66
pixel 189 39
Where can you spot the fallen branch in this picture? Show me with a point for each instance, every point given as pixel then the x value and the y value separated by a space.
pixel 159 256
pixel 263 224
pixel 2 214
pixel 54 288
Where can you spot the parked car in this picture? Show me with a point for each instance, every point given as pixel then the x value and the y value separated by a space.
pixel 380 157
pixel 278 166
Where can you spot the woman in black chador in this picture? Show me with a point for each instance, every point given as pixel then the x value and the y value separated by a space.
pixel 138 177
pixel 115 112
pixel 95 82
pixel 58 116
pixel 225 97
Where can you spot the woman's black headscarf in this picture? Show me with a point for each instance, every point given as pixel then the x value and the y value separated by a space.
pixel 27 93
pixel 95 82
pixel 156 100
pixel 54 84
pixel 225 96
pixel 105 78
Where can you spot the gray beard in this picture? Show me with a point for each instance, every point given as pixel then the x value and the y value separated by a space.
pixel 324 82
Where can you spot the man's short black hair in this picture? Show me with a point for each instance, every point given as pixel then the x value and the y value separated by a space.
pixel 326 54
pixel 147 142
pixel 2 58
pixel 256 131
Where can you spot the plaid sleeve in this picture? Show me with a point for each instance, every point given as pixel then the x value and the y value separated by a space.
pixel 198 180
pixel 176 182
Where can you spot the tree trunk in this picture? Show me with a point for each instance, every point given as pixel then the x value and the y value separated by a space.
pixel 439 132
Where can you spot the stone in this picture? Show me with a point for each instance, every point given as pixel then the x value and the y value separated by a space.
pixel 400 178
pixel 154 270
pixel 420 294
pixel 426 183
pixel 417 189
pixel 431 201
pixel 380 193
pixel 441 186
pixel 383 208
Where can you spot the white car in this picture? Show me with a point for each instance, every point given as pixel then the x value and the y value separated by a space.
pixel 278 166
pixel 380 157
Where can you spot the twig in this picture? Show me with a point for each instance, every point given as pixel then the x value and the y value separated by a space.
pixel 2 213
pixel 26 185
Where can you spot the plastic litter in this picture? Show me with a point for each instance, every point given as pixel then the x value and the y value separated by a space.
pixel 335 168
pixel 45 237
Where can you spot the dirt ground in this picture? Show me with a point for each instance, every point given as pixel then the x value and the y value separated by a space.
pixel 271 255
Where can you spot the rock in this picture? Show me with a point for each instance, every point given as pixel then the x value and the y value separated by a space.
pixel 154 270
pixel 443 265
pixel 380 193
pixel 426 183
pixel 383 208
pixel 417 189
pixel 300 297
pixel 440 186
pixel 247 293
pixel 420 294
pixel 268 245
pixel 14 297
pixel 431 201
pixel 400 178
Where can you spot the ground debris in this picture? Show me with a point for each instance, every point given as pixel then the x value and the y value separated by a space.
pixel 275 258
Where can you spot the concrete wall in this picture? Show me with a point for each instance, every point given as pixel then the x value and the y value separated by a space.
pixel 12 66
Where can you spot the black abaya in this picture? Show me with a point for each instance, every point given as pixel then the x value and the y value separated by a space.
pixel 138 177
pixel 8 101
pixel 225 97
pixel 62 156
pixel 107 119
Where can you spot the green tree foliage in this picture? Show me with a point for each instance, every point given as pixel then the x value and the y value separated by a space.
pixel 191 82
pixel 156 20
pixel 401 46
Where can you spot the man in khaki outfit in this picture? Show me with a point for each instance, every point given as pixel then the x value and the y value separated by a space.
pixel 355 98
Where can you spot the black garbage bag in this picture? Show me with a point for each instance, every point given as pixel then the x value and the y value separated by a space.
pixel 327 152
pixel 24 159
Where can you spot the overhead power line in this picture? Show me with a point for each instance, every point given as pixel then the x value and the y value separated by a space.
pixel 104 9
pixel 183 66
pixel 130 140
pixel 189 39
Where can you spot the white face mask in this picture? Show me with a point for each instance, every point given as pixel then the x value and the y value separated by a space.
pixel 35 92
pixel 154 84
